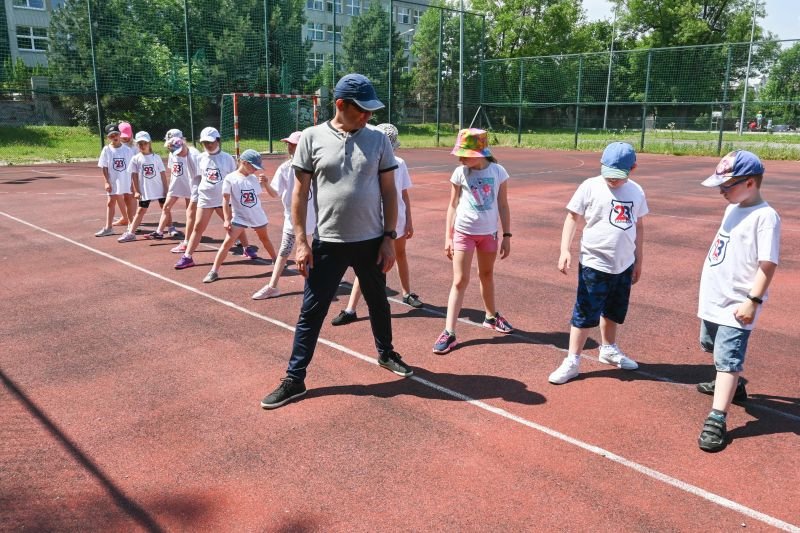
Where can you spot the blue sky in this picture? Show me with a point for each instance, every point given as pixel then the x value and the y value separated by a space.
pixel 783 16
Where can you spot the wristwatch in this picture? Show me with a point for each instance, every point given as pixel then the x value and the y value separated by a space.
pixel 755 299
pixel 391 234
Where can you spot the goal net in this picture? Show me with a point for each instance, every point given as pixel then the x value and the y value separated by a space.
pixel 259 121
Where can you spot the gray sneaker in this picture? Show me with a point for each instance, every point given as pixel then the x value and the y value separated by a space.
pixel 211 277
pixel 104 232
pixel 394 363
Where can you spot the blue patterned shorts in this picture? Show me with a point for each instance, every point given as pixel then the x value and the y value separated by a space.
pixel 601 294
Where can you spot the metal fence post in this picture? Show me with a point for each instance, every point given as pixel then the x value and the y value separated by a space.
pixel 189 65
pixel 578 99
pixel 644 105
pixel 94 75
pixel 724 101
pixel 439 77
pixel 519 107
pixel 266 60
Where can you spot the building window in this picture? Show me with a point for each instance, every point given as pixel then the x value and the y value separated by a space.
pixel 315 61
pixel 353 7
pixel 329 4
pixel 407 43
pixel 29 38
pixel 415 14
pixel 315 31
pixel 330 32
pixel 406 70
pixel 32 4
pixel 403 15
pixel 315 5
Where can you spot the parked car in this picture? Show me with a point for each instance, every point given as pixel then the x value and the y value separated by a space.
pixel 783 127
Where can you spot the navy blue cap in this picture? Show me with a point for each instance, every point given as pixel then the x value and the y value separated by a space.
pixel 359 89
pixel 734 165
pixel 252 157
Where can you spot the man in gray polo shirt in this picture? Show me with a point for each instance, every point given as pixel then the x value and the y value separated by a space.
pixel 349 169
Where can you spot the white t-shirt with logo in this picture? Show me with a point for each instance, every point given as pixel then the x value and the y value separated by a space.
pixel 608 243
pixel 184 176
pixel 116 160
pixel 746 236
pixel 283 184
pixel 213 169
pixel 402 181
pixel 477 211
pixel 245 201
pixel 149 168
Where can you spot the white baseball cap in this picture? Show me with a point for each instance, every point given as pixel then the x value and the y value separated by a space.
pixel 174 132
pixel 142 136
pixel 209 134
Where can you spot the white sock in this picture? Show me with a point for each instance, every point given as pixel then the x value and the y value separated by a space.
pixel 574 357
pixel 350 311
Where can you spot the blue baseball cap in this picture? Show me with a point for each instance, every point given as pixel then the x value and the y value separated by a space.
pixel 359 89
pixel 252 157
pixel 734 165
pixel 617 161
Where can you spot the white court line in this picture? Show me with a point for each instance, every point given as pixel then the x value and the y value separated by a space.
pixel 649 472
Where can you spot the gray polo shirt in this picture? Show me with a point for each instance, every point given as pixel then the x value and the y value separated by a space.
pixel 345 181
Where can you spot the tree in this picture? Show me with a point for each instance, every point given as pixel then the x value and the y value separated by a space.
pixel 365 50
pixel 783 88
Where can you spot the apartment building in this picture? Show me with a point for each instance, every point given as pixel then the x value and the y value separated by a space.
pixel 27 24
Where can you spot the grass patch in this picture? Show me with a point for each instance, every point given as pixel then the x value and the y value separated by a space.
pixel 31 144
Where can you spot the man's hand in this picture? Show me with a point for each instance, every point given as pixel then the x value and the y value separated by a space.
pixel 386 255
pixel 304 258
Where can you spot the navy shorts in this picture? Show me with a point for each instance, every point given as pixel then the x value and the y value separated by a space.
pixel 601 294
pixel 144 204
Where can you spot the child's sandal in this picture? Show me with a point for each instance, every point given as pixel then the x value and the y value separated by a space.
pixel 714 436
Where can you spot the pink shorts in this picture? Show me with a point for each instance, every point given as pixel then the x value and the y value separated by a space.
pixel 463 242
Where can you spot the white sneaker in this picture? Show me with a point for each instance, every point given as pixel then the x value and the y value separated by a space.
pixel 569 369
pixel 612 355
pixel 104 232
pixel 266 292
pixel 127 237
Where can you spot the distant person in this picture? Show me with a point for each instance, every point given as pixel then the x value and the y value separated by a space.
pixel 478 198
pixel 404 230
pixel 128 204
pixel 350 169
pixel 759 119
pixel 149 179
pixel 734 284
pixel 283 183
pixel 114 159
pixel 241 206
pixel 183 181
pixel 612 206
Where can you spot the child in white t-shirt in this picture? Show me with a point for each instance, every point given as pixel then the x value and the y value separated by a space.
pixel 404 230
pixel 182 165
pixel 610 260
pixel 241 206
pixel 478 197
pixel 127 203
pixel 283 185
pixel 114 160
pixel 734 284
pixel 149 179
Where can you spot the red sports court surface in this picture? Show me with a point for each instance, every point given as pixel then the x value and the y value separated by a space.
pixel 130 397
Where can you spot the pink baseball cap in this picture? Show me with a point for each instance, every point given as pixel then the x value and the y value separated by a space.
pixel 125 130
pixel 294 138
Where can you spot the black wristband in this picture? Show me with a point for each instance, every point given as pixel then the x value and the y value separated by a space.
pixel 507 235
pixel 755 299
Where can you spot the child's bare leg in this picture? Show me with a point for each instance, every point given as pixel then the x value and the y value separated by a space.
pixel 724 390
pixel 401 260
pixel 119 200
pixel 230 238
pixel 608 331
pixel 140 212
pixel 486 262
pixel 355 296
pixel 130 204
pixel 200 226
pixel 166 213
pixel 111 202
pixel 462 260
pixel 577 339
pixel 277 270
pixel 191 217
pixel 263 236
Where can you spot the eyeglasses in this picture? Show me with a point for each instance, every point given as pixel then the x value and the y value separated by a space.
pixel 725 188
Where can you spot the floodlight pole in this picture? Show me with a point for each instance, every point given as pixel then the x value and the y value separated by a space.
pixel 610 62
pixel 461 67
pixel 747 72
